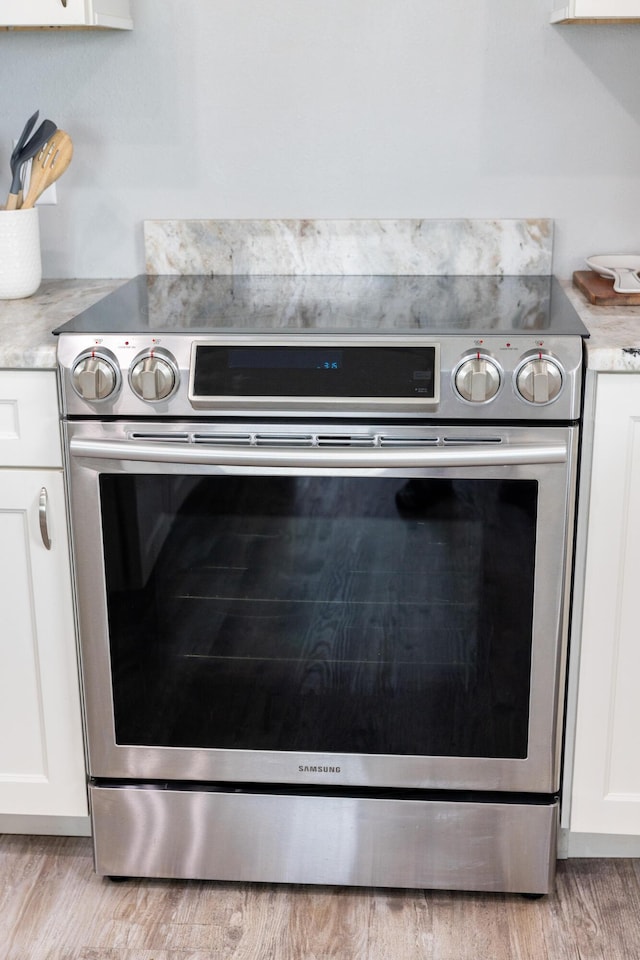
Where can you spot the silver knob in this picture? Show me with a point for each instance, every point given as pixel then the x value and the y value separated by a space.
pixel 154 375
pixel 477 379
pixel 94 375
pixel 539 380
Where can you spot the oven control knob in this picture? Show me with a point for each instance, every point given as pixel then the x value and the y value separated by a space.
pixel 154 375
pixel 539 379
pixel 477 379
pixel 95 375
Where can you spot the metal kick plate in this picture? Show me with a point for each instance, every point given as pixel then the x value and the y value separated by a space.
pixel 278 837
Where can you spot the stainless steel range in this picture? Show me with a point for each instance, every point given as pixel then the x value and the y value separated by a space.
pixel 322 540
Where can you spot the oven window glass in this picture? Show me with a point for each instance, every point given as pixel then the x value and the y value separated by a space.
pixel 330 614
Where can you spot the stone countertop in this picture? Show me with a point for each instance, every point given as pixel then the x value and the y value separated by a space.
pixel 26 341
pixel 614 344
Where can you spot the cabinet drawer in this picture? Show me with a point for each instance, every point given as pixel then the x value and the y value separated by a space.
pixel 29 423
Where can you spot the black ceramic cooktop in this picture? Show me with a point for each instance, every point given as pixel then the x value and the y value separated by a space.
pixel 434 305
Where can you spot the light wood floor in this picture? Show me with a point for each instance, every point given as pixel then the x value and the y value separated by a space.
pixel 53 907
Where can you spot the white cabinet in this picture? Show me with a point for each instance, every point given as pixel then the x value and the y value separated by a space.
pixel 42 770
pixel 595 11
pixel 605 795
pixel 66 13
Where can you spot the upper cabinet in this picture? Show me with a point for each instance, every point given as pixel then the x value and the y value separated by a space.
pixel 74 14
pixel 595 11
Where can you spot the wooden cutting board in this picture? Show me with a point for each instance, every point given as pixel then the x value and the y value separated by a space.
pixel 599 290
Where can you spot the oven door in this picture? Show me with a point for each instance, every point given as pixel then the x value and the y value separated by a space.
pixel 348 606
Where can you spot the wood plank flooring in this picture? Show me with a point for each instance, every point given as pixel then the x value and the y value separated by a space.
pixel 53 907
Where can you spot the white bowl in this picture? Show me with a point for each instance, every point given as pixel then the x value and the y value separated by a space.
pixel 624 270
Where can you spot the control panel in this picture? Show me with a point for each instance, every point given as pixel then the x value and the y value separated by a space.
pixel 526 377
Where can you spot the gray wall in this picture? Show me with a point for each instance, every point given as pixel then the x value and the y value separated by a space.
pixel 338 108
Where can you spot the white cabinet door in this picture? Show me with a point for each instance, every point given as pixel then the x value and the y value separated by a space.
pixel 41 745
pixel 65 13
pixel 606 777
pixel 594 10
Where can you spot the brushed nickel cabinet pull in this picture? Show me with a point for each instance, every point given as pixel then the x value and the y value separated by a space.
pixel 42 516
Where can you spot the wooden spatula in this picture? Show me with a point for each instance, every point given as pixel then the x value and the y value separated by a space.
pixel 48 165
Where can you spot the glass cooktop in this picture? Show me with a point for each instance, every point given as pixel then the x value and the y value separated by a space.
pixel 399 305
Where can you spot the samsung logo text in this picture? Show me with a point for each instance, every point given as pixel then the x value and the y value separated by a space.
pixel 304 769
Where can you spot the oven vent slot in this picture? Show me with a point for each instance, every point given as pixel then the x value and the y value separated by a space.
pixel 345 440
pixel 470 441
pixel 223 439
pixel 254 439
pixel 161 437
pixel 393 441
pixel 283 440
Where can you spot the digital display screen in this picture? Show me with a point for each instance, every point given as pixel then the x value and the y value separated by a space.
pixel 283 358
pixel 314 371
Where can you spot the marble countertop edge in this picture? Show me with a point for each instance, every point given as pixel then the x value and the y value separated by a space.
pixel 614 341
pixel 26 338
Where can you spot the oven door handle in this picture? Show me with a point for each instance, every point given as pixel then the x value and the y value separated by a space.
pixel 465 455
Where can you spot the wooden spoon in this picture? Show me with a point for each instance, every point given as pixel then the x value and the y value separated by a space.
pixel 28 150
pixel 16 163
pixel 50 163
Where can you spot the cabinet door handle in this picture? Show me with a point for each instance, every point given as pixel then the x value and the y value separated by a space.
pixel 42 517
pixel 64 3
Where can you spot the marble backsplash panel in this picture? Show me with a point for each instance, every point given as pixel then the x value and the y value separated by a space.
pixel 356 247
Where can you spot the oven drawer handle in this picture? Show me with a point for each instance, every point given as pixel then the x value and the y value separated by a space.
pixel 472 456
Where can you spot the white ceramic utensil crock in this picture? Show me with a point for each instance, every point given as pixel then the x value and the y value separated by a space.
pixel 20 259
